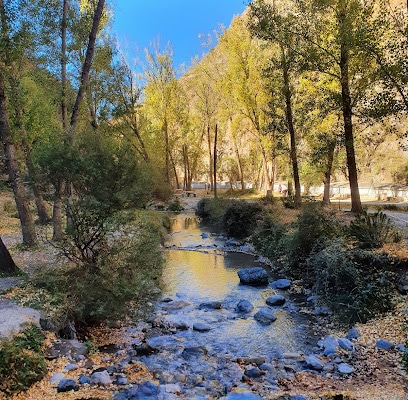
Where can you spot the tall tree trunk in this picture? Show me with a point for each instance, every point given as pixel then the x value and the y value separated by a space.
pixel 266 175
pixel 210 155
pixel 20 196
pixel 40 203
pixel 167 151
pixel 86 67
pixel 347 115
pixel 291 127
pixel 64 111
pixel 7 265
pixel 215 160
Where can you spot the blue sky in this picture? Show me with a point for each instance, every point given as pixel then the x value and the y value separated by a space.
pixel 180 22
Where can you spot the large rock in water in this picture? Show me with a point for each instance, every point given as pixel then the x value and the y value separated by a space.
pixel 255 276
pixel 265 316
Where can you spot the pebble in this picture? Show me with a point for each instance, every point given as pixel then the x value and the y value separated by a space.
pixel 201 327
pixel 346 344
pixel 314 362
pixel 265 316
pixel 275 300
pixel 384 345
pixel 66 385
pixel 56 378
pixel 345 369
pixel 282 284
pixel 101 378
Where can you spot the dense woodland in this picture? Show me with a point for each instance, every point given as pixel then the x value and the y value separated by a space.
pixel 303 91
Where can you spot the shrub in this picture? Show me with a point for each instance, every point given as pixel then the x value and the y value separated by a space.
pixel 22 360
pixel 112 279
pixel 175 205
pixel 372 230
pixel 211 211
pixel 127 272
pixel 240 218
pixel 356 284
pixel 315 224
pixel 269 237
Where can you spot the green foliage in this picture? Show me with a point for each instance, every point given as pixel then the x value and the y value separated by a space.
pixel 240 218
pixel 356 284
pixel 234 217
pixel 22 360
pixel 175 205
pixel 269 237
pixel 314 225
pixel 122 267
pixel 211 211
pixel 372 230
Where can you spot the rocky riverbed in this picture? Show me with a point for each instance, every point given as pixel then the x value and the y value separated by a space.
pixel 169 357
pixel 175 356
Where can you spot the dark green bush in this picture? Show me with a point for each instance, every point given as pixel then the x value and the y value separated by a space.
pixel 356 284
pixel 372 230
pixel 175 205
pixel 22 361
pixel 269 237
pixel 211 211
pixel 315 224
pixel 240 218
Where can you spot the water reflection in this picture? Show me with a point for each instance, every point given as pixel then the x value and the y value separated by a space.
pixel 200 277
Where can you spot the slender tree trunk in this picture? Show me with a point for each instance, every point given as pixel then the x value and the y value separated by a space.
pixel 327 173
pixel 7 265
pixel 239 164
pixel 64 111
pixel 167 151
pixel 57 211
pixel 356 206
pixel 215 160
pixel 40 203
pixel 86 67
pixel 173 166
pixel 291 127
pixel 266 177
pixel 210 157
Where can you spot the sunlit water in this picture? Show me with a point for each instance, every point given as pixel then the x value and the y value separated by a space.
pixel 210 275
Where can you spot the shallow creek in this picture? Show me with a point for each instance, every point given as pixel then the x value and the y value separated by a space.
pixel 199 270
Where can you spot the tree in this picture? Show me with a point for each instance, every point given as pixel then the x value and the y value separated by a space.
pixel 11 51
pixel 266 23
pixel 86 67
pixel 245 98
pixel 127 106
pixel 160 92
pixel 333 37
pixel 7 265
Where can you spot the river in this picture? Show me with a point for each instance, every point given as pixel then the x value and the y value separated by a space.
pixel 199 271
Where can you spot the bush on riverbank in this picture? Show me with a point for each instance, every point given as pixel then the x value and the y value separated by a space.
pixel 117 280
pixel 212 211
pixel 236 218
pixel 356 284
pixel 22 360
